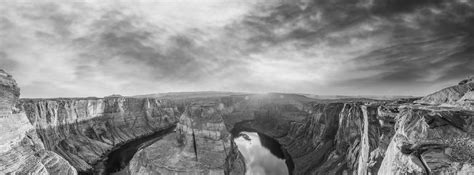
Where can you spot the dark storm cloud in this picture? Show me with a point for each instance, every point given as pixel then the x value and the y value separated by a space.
pixel 306 22
pixel 390 7
pixel 430 40
pixel 415 60
pixel 444 52
pixel 320 18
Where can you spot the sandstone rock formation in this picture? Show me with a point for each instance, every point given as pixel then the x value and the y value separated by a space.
pixel 9 93
pixel 201 145
pixel 460 94
pixel 315 136
pixel 21 151
pixel 430 141
pixel 84 130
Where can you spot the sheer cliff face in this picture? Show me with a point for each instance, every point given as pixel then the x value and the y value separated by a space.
pixel 21 151
pixel 66 136
pixel 83 130
pixel 320 138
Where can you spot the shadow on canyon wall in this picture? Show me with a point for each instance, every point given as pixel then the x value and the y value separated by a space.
pixel 119 158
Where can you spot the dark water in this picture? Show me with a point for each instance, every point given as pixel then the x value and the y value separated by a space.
pixel 263 155
pixel 119 158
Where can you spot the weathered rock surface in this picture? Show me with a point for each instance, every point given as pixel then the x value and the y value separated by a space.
pixel 201 145
pixel 82 131
pixel 315 138
pixel 9 93
pixel 21 151
pixel 67 136
pixel 460 94
pixel 431 141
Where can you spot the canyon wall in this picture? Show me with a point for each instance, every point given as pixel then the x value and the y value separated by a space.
pixel 318 138
pixel 201 145
pixel 346 136
pixel 83 130
pixel 21 151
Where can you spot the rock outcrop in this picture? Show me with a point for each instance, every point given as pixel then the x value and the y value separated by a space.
pixel 9 93
pixel 21 151
pixel 431 141
pixel 456 95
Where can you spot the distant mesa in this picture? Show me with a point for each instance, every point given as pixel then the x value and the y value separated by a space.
pixel 114 96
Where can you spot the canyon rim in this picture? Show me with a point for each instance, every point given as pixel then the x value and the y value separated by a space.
pixel 338 136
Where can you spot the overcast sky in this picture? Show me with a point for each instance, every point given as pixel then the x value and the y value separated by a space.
pixel 129 47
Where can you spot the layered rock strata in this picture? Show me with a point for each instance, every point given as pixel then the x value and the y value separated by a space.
pixel 317 138
pixel 201 145
pixel 457 95
pixel 21 151
pixel 83 130
pixel 431 141
pixel 67 136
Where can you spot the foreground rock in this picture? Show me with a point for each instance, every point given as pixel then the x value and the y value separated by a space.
pixel 431 141
pixel 21 151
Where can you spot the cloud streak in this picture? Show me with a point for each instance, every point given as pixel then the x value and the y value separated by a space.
pixel 91 48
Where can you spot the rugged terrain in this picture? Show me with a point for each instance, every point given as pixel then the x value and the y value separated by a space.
pixel 433 135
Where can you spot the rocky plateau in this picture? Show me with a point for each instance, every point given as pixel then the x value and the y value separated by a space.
pixel 194 133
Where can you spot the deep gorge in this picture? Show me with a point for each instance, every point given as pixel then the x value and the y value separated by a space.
pixel 314 136
pixel 118 159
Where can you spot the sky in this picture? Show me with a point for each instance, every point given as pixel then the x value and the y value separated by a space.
pixel 72 48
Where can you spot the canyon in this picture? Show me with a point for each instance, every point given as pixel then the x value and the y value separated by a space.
pixel 194 133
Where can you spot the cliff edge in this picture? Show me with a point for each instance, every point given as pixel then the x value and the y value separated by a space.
pixel 314 136
pixel 21 151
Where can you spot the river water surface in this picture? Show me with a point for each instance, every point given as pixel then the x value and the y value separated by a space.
pixel 259 160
